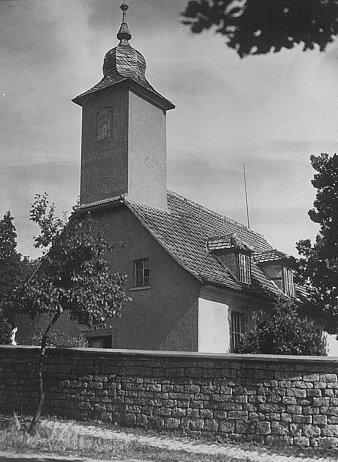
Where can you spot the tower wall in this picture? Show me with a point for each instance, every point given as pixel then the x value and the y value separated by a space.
pixel 104 162
pixel 131 157
pixel 147 159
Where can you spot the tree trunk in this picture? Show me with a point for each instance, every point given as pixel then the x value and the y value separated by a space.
pixel 41 392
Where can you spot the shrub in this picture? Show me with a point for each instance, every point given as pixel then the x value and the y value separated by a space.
pixel 283 332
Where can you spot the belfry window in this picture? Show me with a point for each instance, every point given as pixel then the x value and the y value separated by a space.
pixel 244 268
pixel 104 124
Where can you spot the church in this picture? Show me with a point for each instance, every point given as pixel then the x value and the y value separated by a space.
pixel 195 277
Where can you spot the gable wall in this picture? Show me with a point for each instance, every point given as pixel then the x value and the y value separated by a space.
pixel 164 316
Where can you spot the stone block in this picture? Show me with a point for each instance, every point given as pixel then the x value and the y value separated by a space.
pixel 328 378
pixel 279 428
pixel 226 427
pixel 314 392
pixel 302 419
pixel 211 425
pixel 237 415
pixel 263 428
pixel 301 441
pixel 171 423
pixel 296 392
pixel 321 420
pixel 293 409
pixel 312 378
pixel 176 412
pixel 327 442
pixel 319 384
pixel 155 422
pixel 196 424
pixel 220 414
pixel 311 431
pixel 329 430
pixel 206 414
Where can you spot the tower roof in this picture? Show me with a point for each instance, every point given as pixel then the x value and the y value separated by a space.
pixel 124 62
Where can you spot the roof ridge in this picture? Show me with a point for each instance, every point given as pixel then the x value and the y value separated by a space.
pixel 230 220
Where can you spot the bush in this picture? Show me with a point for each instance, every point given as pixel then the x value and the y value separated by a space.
pixel 283 332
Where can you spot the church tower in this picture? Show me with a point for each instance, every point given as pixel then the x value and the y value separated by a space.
pixel 124 131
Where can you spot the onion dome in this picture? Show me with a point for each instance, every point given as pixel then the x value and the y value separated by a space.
pixel 125 66
pixel 124 59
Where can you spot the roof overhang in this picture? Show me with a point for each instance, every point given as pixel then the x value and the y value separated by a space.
pixel 150 95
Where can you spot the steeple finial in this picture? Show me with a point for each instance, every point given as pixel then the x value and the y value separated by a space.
pixel 124 33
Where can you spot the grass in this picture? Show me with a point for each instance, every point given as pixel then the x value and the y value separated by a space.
pixel 56 436
pixel 64 440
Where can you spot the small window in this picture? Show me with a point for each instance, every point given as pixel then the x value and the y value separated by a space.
pixel 104 124
pixel 244 268
pixel 141 272
pixel 289 287
pixel 237 328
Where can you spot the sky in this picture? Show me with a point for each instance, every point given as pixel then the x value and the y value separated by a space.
pixel 270 112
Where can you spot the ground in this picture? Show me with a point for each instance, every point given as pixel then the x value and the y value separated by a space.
pixel 59 440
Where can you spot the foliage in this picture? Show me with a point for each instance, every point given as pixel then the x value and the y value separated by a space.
pixel 5 330
pixel 13 269
pixel 283 332
pixel 318 265
pixel 255 27
pixel 73 277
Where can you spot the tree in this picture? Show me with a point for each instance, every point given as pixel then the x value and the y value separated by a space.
pixel 73 277
pixel 318 265
pixel 255 27
pixel 13 269
pixel 283 332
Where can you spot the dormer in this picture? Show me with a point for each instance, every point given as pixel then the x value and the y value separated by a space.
pixel 233 254
pixel 277 266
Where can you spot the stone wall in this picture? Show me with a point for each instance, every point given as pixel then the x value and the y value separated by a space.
pixel 268 399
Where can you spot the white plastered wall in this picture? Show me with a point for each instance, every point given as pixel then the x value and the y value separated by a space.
pixel 213 327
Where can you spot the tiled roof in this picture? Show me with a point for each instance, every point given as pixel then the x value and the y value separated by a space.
pixel 270 255
pixel 183 231
pixel 115 78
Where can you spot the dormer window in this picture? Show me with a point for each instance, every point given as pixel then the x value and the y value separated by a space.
pixel 276 266
pixel 244 268
pixel 233 254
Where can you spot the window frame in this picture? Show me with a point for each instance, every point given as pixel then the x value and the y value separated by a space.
pixel 244 268
pixel 141 274
pixel 288 282
pixel 237 328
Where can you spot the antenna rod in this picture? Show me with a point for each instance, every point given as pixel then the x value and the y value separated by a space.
pixel 246 197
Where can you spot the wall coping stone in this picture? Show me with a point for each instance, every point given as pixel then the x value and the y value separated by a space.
pixel 179 354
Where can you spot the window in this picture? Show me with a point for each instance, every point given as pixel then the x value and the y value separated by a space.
pixel 141 272
pixel 289 287
pixel 237 328
pixel 244 270
pixel 104 124
pixel 105 341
